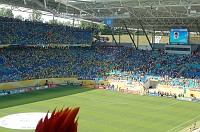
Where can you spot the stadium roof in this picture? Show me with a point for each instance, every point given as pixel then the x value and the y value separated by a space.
pixel 153 14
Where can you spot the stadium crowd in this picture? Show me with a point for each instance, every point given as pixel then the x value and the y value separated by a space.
pixel 15 31
pixel 25 63
pixel 36 62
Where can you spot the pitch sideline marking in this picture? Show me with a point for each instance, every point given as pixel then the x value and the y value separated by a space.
pixel 183 123
pixel 168 105
pixel 122 103
pixel 142 99
pixel 111 93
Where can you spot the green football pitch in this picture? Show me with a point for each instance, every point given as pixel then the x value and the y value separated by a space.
pixel 106 111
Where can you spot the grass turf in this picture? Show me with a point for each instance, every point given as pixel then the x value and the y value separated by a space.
pixel 106 111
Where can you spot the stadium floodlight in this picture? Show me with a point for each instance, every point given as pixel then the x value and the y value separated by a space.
pixel 156 8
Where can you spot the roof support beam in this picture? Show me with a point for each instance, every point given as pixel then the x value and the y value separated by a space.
pixel 45 4
pixel 113 35
pixel 140 22
pixel 198 28
pixel 25 2
pixel 119 29
pixel 129 35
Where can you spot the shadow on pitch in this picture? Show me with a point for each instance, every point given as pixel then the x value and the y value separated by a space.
pixel 40 95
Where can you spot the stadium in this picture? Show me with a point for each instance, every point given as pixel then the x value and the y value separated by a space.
pixel 129 65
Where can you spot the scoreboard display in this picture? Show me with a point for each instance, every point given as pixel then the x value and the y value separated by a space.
pixel 179 36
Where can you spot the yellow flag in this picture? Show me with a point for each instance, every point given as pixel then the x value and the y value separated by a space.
pixel 101 26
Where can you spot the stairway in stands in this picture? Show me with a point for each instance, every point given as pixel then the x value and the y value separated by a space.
pixel 182 69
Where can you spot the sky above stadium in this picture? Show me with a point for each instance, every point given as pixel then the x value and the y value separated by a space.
pixel 25 12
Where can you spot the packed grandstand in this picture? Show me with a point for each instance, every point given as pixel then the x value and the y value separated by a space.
pixel 36 62
pixel 36 56
pixel 36 33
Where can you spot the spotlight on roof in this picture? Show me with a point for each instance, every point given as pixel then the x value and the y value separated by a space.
pixel 156 8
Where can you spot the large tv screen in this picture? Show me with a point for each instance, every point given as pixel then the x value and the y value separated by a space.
pixel 179 36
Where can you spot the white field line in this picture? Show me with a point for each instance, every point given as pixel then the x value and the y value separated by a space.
pixel 113 94
pixel 168 105
pixel 123 103
pixel 173 129
pixel 132 97
pixel 112 102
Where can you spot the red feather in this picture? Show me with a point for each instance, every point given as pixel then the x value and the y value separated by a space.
pixel 61 121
